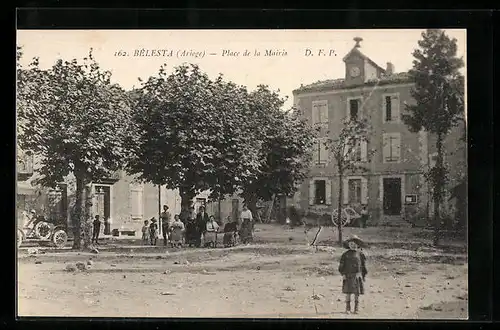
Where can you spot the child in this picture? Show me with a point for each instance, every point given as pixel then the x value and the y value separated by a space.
pixel 153 231
pixel 145 230
pixel 353 270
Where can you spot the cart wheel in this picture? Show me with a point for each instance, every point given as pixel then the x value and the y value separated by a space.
pixel 343 218
pixel 60 238
pixel 42 230
pixel 20 236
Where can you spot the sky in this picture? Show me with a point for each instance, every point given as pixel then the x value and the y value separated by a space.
pixel 284 72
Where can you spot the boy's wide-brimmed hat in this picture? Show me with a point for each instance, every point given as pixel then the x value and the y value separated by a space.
pixel 153 220
pixel 355 239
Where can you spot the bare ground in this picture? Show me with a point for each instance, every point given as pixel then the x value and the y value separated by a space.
pixel 262 280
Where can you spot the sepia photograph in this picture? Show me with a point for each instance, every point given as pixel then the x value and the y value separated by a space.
pixel 242 174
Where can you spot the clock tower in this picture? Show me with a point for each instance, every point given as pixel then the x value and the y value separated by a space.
pixel 358 67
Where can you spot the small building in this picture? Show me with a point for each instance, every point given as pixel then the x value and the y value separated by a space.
pixel 120 201
pixel 393 187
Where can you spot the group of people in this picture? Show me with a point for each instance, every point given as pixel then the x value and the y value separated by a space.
pixel 197 227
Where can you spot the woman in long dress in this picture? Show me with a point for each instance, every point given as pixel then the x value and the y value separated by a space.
pixel 246 229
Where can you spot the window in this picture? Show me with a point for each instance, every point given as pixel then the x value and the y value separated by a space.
pixel 354 191
pixel 391 108
pixel 320 152
pixel 354 107
pixel 356 154
pixel 320 113
pixel 433 159
pixel 136 211
pixel 360 152
pixel 391 147
pixel 320 191
pixel 388 106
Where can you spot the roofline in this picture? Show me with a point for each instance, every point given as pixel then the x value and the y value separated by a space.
pixel 319 92
pixel 327 88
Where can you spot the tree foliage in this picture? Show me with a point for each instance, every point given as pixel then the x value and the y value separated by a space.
pixel 192 133
pixel 439 96
pixel 439 85
pixel 75 120
pixel 286 141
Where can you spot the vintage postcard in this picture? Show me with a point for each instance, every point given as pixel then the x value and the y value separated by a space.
pixel 242 173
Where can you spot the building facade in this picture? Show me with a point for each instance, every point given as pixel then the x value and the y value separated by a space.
pixel 393 187
pixel 120 201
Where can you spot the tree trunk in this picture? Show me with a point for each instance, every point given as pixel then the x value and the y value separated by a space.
pixel 339 209
pixel 87 219
pixel 78 214
pixel 438 189
pixel 186 202
pixel 270 209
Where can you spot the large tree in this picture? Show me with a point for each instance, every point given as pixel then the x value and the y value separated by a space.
pixel 76 121
pixel 438 92
pixel 286 142
pixel 349 156
pixel 193 134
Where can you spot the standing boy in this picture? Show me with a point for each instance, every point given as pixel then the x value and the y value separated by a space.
pixel 153 231
pixel 165 224
pixel 353 270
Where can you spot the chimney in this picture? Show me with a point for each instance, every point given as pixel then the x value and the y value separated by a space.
pixel 389 69
pixel 357 40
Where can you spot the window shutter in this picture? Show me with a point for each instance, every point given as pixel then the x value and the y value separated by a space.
pixel 384 109
pixel 395 114
pixel 346 191
pixel 316 151
pixel 364 190
pixel 311 192
pixel 328 192
pixel 386 148
pixel 315 113
pixel 324 112
pixel 323 152
pixel 364 150
pixel 396 148
pixel 136 201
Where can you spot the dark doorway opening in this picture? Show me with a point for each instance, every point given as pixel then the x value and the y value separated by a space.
pixel 392 196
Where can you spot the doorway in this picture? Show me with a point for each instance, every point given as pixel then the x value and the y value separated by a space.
pixel 103 205
pixel 392 196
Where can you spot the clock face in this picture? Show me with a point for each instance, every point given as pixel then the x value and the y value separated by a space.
pixel 354 71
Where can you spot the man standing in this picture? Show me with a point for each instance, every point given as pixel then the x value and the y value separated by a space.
pixel 201 222
pixel 165 224
pixel 364 217
pixel 96 230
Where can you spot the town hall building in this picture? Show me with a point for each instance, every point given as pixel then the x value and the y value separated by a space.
pixel 393 188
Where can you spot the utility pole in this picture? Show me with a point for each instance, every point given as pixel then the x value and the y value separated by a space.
pixel 159 210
